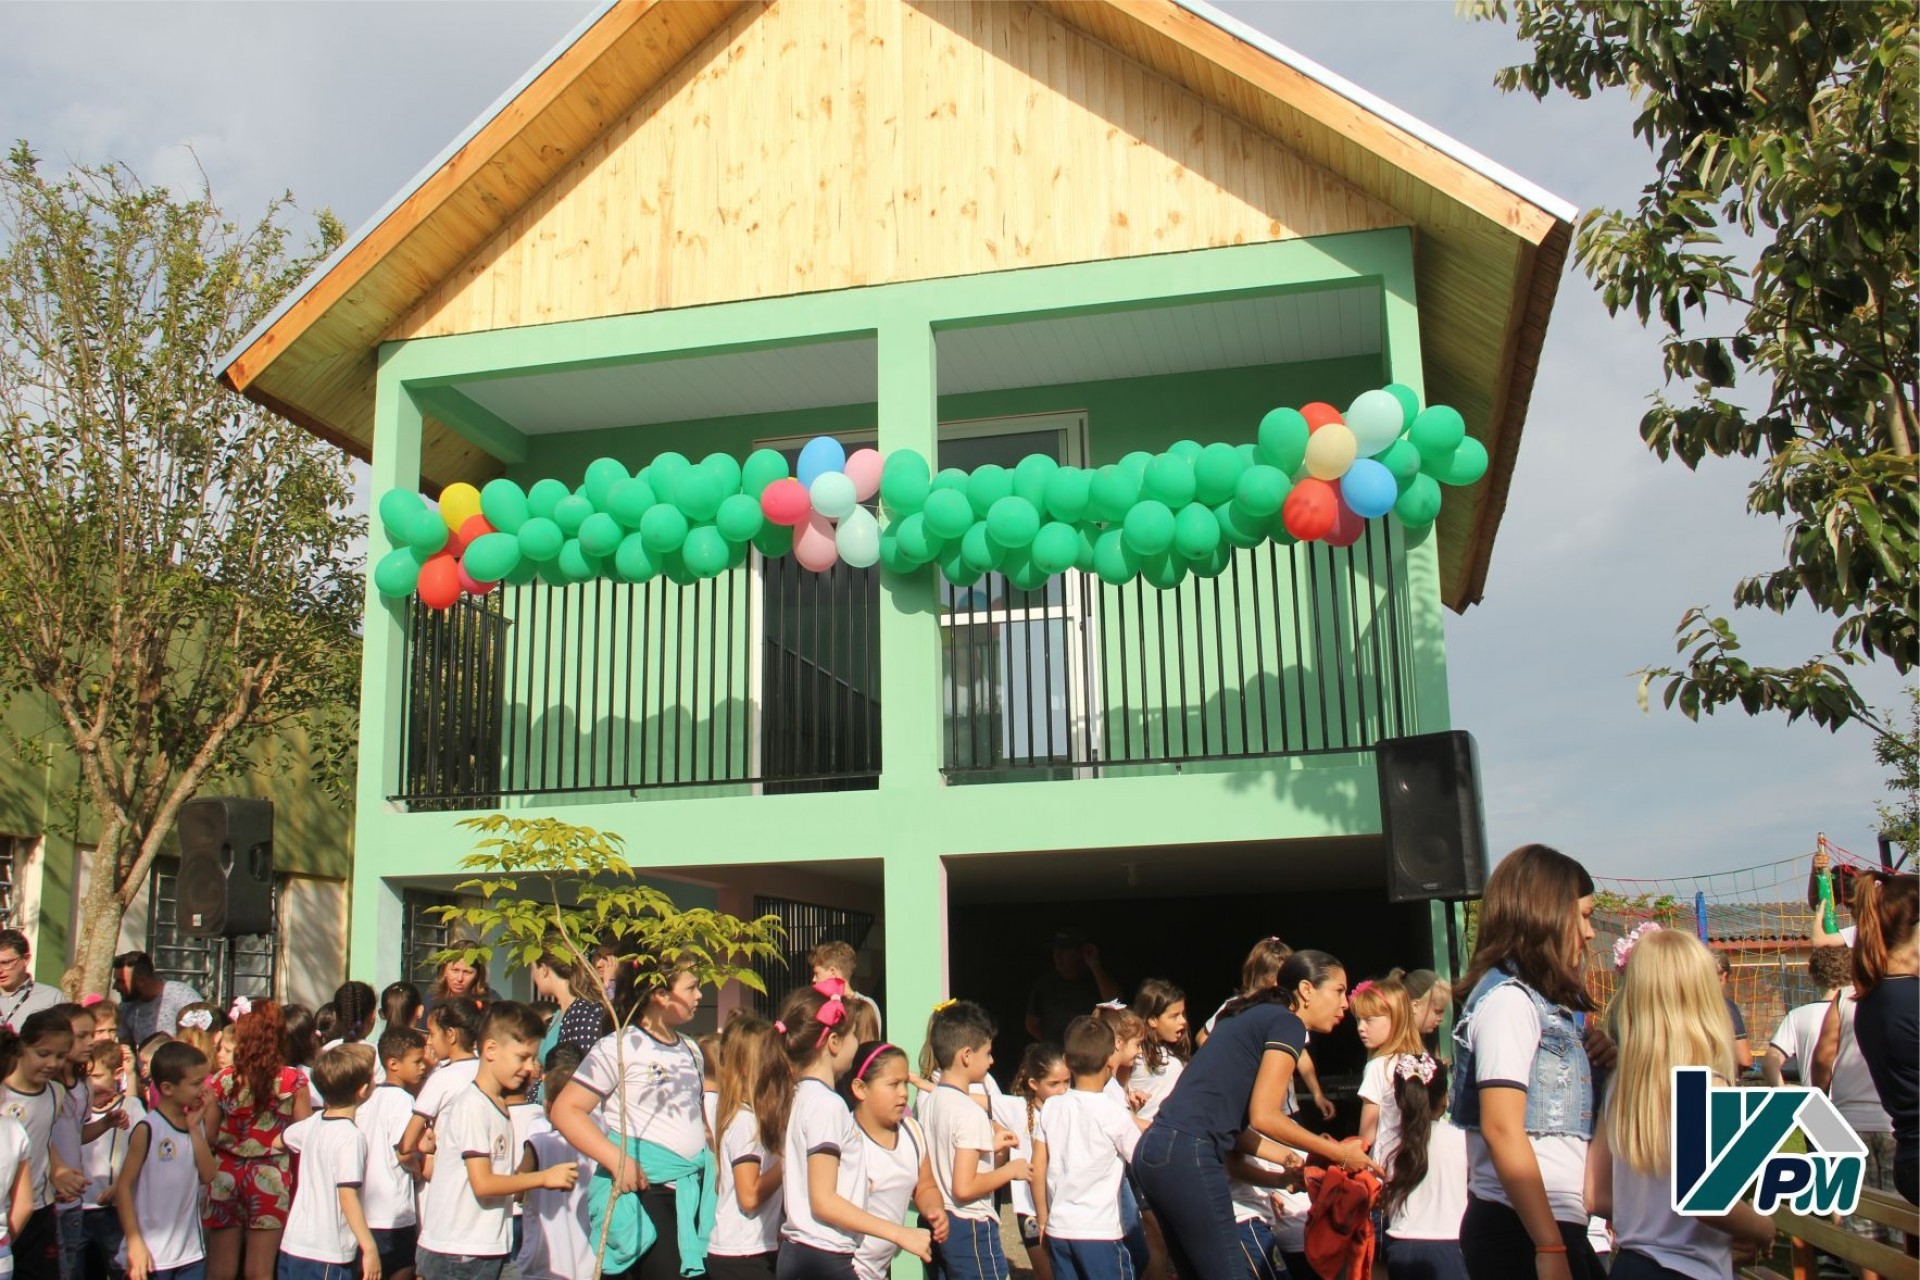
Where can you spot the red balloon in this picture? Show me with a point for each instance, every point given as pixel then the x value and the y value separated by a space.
pixel 470 586
pixel 470 528
pixel 1319 414
pixel 786 502
pixel 1311 509
pixel 1347 527
pixel 439 585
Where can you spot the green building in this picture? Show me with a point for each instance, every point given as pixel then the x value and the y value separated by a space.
pixel 980 232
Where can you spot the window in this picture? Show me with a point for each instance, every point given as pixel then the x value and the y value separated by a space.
pixel 14 852
pixel 218 968
pixel 425 933
pixel 807 925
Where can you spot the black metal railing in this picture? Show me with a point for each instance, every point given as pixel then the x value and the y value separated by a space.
pixel 767 675
pixel 805 926
pixel 1290 651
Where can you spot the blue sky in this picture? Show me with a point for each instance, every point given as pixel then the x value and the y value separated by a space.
pixel 1602 548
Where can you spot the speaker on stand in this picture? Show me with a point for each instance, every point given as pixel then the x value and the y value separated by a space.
pixel 225 885
pixel 1431 818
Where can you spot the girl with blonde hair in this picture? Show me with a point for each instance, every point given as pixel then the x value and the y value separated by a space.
pixel 1667 1012
pixel 1383 1014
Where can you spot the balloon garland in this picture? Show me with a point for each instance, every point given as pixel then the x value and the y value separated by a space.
pixel 1312 474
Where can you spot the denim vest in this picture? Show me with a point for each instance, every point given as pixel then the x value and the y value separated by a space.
pixel 1560 1088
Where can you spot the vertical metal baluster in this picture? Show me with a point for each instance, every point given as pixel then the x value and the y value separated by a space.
pixel 1146 701
pixel 1320 640
pixel 595 640
pixel 1220 665
pixel 949 595
pixel 1087 619
pixel 404 786
pixel 1359 649
pixel 1294 555
pixel 837 707
pixel 1345 639
pixel 1400 656
pixel 1373 636
pixel 1241 616
pixel 1046 657
pixel 660 687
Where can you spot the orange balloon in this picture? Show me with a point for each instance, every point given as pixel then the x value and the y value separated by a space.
pixel 1311 510
pixel 1319 414
pixel 439 585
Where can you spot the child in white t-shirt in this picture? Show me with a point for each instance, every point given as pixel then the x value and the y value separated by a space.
pixel 327 1225
pixel 555 1243
pixel 467 1211
pixel 746 1219
pixel 1080 1157
pixel 1042 1074
pixel 452 1029
pixel 168 1162
pixel 1424 1196
pixel 1165 1049
pixel 102 1158
pixel 899 1172
pixel 388 1199
pixel 964 1144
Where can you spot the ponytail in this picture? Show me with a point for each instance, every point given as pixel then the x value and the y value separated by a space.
pixel 354 1005
pixel 1310 967
pixel 9 1050
pixel 1420 1087
pixel 1885 909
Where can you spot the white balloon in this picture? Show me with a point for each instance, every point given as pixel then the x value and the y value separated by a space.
pixel 1375 419
pixel 832 495
pixel 858 538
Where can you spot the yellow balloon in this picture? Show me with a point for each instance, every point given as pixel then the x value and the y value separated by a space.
pixel 459 502
pixel 1330 451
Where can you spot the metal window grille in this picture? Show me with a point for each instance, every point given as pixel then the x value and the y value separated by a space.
pixel 808 925
pixel 14 850
pixel 218 968
pixel 426 933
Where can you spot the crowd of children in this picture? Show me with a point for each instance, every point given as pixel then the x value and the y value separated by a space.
pixel 480 1141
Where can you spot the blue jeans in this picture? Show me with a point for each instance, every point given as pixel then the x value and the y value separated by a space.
pixel 972 1250
pixel 1262 1259
pixel 73 1242
pixel 192 1271
pixel 1090 1259
pixel 292 1268
pixel 1186 1183
pixel 104 1241
pixel 1426 1260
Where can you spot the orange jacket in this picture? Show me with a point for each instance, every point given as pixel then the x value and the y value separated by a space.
pixel 1340 1240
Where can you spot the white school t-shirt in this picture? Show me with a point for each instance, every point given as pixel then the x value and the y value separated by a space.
pixel 1090 1138
pixel 166 1196
pixel 737 1233
pixel 1644 1221
pixel 820 1124
pixel 892 1174
pixel 1504 1033
pixel 1251 1201
pixel 36 1113
pixel 14 1155
pixel 955 1122
pixel 67 1126
pixel 1376 1086
pixel 101 1159
pixel 1432 1210
pixel 1010 1111
pixel 1798 1035
pixel 527 1119
pixel 333 1154
pixel 662 1086
pixel 453 1219
pixel 388 1196
pixel 444 1082
pixel 1156 1085
pixel 1852 1089
pixel 555 1240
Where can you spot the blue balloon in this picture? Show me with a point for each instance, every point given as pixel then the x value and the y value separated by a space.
pixel 1369 488
pixel 821 455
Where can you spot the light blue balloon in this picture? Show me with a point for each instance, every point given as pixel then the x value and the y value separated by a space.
pixel 821 455
pixel 832 495
pixel 1375 418
pixel 858 538
pixel 1369 488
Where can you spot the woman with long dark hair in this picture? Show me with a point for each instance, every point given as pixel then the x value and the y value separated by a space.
pixel 1886 1012
pixel 1233 1097
pixel 1524 1086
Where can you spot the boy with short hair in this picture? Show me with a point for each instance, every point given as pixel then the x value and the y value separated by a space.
pixel 168 1161
pixel 556 1242
pixel 388 1198
pixel 838 960
pixel 102 1158
pixel 963 1145
pixel 326 1233
pixel 467 1219
pixel 1080 1154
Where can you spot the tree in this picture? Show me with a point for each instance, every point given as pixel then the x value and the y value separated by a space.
pixel 179 570
pixel 1774 249
pixel 1898 751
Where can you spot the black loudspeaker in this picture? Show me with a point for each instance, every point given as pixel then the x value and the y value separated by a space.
pixel 1430 815
pixel 225 886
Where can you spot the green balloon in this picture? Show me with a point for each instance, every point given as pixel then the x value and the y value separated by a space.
pixel 1056 547
pixel 1261 491
pixel 737 552
pixel 918 544
pixel 545 497
pixel 398 509
pixel 1283 440
pixel 1113 560
pixel 426 532
pixel 774 540
pixel 540 539
pixel 1022 572
pixel 706 552
pixel 1163 571
pixel 1417 535
pixel 1409 402
pixel 600 534
pixel 987 485
pixel 1030 478
pixel 1169 480
pixel 1069 490
pixel 574 564
pixel 1467 465
pixel 1420 504
pixel 630 502
pixel 950 478
pixel 762 468
pixel 740 518
pixel 521 574
pixel 982 552
pixel 1083 557
pixel 491 556
pixel 675 566
pixel 1402 459
pixel 1112 493
pixel 1237 529
pixel 1137 463
pixel 664 528
pixel 1216 472
pixel 571 512
pixel 397 574
pixel 1012 522
pixel 1188 451
pixel 602 475
pixel 1214 563
pixel 634 562
pixel 955 569
pixel 1437 432
pixel 947 513
pixel 697 494
pixel 725 470
pixel 1149 527
pixel 905 482
pixel 1195 532
pixel 1249 453
pixel 504 506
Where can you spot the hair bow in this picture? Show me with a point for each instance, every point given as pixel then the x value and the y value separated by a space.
pixel 1624 947
pixel 1111 1004
pixel 834 1011
pixel 1408 1066
pixel 198 1019
pixel 945 1005
pixel 242 1006
pixel 1362 989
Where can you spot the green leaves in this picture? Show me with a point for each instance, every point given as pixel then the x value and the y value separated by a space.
pixel 1774 247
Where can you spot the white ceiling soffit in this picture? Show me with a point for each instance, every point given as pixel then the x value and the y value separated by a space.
pixel 1279 329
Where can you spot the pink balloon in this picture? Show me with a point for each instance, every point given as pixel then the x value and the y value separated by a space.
pixel 1347 527
pixel 814 546
pixel 863 468
pixel 786 502
pixel 472 588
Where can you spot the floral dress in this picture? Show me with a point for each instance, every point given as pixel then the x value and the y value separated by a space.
pixel 253 1187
